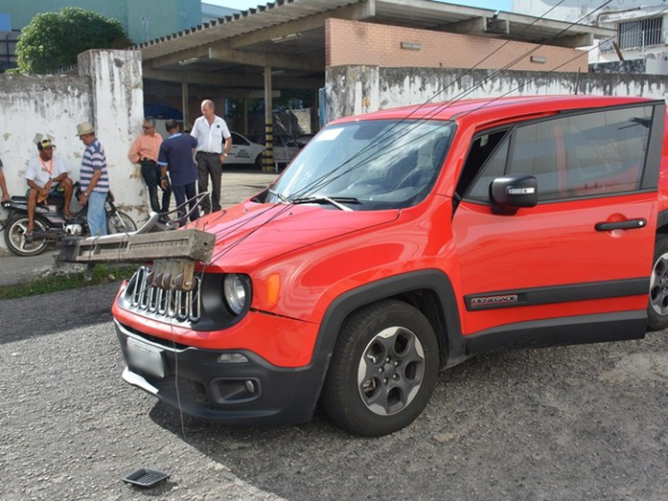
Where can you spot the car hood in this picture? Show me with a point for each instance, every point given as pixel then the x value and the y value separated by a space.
pixel 250 233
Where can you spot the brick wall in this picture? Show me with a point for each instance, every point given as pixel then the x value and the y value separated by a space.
pixel 355 43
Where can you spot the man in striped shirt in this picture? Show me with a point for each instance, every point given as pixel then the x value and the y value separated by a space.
pixel 94 179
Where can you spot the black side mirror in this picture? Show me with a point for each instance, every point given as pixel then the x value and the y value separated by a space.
pixel 510 193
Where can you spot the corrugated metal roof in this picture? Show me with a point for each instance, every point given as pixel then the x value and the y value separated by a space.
pixel 246 21
pixel 424 14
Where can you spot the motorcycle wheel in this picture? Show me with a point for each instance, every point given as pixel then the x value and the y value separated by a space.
pixel 15 236
pixel 120 222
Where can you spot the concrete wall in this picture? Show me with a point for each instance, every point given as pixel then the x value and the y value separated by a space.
pixel 107 92
pixel 358 43
pixel 353 90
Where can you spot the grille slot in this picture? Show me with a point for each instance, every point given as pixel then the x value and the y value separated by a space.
pixel 152 301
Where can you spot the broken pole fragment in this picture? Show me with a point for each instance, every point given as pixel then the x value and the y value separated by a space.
pixel 173 253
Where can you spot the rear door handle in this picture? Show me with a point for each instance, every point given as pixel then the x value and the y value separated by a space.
pixel 629 224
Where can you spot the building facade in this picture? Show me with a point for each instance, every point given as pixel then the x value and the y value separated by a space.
pixel 640 44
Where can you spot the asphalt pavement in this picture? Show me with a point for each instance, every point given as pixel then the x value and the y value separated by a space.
pixel 237 185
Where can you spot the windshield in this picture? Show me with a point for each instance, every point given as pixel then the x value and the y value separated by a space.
pixel 367 165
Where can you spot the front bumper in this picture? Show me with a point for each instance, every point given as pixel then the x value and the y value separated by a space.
pixel 252 393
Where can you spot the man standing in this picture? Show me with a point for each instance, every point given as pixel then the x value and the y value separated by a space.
pixel 210 130
pixel 43 173
pixel 176 155
pixel 144 151
pixel 3 185
pixel 94 179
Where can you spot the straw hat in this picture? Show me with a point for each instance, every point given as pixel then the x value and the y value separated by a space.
pixel 85 128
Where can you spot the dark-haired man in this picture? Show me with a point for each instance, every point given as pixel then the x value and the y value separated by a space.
pixel 176 155
pixel 43 173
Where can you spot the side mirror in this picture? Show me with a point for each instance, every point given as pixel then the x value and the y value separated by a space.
pixel 510 193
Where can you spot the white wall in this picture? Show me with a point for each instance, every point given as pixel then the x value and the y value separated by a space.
pixel 352 90
pixel 107 92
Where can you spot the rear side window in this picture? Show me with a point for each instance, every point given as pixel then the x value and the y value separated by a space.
pixel 584 155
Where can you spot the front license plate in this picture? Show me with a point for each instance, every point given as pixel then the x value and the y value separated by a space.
pixel 145 358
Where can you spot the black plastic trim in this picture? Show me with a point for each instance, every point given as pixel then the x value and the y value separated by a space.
pixel 662 219
pixel 282 395
pixel 650 177
pixel 432 279
pixel 557 294
pixel 582 329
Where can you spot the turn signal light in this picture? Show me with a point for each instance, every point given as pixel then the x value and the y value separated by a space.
pixel 273 288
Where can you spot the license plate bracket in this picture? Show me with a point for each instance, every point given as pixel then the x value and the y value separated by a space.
pixel 146 358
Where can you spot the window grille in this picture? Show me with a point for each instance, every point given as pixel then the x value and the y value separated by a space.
pixel 640 33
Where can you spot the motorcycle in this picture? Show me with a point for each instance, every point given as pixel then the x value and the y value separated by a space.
pixel 50 223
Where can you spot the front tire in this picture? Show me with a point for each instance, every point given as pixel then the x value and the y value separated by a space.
pixel 120 222
pixel 383 370
pixel 657 311
pixel 15 236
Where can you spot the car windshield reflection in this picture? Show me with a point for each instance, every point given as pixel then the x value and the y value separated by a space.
pixel 380 164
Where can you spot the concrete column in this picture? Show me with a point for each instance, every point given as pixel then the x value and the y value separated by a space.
pixel 268 156
pixel 185 102
pixel 118 110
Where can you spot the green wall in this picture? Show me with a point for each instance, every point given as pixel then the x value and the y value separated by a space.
pixel 142 20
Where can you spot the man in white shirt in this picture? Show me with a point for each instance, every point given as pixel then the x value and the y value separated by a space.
pixel 210 130
pixel 43 173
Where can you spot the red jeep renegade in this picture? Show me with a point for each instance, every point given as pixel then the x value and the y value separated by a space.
pixel 404 241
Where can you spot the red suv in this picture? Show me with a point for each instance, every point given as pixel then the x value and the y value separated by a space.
pixel 403 242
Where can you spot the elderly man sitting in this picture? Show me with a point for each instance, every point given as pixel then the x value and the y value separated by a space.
pixel 44 172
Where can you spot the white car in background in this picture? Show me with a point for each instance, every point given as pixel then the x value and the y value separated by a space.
pixel 245 151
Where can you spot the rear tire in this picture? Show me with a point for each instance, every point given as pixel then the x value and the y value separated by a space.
pixel 16 241
pixel 120 222
pixel 383 371
pixel 657 311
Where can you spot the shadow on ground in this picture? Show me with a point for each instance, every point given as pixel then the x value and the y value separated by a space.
pixel 56 312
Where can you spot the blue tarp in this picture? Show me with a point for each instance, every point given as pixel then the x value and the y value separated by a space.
pixel 162 110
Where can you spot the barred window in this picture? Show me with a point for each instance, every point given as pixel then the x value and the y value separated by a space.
pixel 640 33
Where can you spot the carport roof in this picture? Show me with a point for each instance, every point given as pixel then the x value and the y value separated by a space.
pixel 422 14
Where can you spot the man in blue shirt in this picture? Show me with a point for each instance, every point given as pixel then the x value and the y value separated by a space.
pixel 94 179
pixel 176 155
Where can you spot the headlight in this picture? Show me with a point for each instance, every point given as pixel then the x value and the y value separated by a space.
pixel 237 292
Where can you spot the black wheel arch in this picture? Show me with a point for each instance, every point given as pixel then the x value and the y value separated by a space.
pixel 662 222
pixel 430 291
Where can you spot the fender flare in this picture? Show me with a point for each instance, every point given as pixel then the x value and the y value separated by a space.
pixel 432 279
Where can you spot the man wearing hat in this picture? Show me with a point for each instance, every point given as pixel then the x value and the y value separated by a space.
pixel 43 173
pixel 94 179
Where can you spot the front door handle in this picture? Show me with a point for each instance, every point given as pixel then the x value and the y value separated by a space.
pixel 629 224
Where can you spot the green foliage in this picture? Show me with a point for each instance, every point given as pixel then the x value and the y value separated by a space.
pixel 101 275
pixel 54 40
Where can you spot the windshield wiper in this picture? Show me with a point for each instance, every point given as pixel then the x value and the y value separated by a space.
pixel 335 201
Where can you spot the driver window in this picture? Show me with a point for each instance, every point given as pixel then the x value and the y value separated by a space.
pixel 584 155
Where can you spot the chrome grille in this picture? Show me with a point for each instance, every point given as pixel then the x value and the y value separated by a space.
pixel 152 301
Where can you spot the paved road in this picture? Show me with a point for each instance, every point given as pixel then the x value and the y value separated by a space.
pixel 572 423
